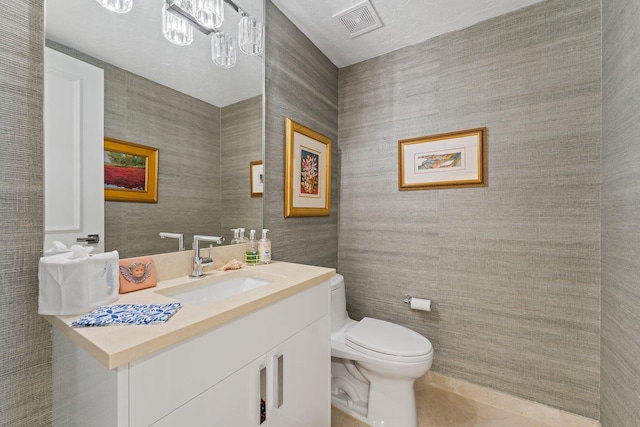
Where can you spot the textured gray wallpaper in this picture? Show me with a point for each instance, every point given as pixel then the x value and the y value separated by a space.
pixel 187 133
pixel 25 343
pixel 514 268
pixel 241 140
pixel 620 378
pixel 302 84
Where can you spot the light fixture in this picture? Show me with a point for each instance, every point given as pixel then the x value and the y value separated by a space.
pixel 223 50
pixel 210 13
pixel 118 6
pixel 250 35
pixel 180 17
pixel 175 28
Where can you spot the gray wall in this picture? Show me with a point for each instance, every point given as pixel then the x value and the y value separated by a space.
pixel 187 133
pixel 620 378
pixel 302 84
pixel 25 345
pixel 513 268
pixel 241 143
pixel 527 239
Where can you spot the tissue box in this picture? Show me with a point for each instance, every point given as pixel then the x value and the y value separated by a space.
pixel 76 282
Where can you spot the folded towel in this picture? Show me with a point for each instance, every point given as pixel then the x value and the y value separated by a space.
pixel 129 314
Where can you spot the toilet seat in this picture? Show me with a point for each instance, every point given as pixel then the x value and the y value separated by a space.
pixel 388 341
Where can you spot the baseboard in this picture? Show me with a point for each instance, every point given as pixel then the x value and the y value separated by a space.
pixel 532 410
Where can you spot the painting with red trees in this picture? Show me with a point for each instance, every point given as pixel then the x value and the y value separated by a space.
pixel 124 171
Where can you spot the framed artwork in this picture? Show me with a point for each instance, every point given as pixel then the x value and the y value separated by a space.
pixel 256 176
pixel 448 160
pixel 130 172
pixel 307 172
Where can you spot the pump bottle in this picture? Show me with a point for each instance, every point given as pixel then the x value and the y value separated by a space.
pixel 253 243
pixel 264 248
pixel 236 236
pixel 251 256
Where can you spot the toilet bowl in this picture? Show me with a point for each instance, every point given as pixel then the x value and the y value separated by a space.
pixel 374 364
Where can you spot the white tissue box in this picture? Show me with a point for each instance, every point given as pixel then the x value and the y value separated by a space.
pixel 76 282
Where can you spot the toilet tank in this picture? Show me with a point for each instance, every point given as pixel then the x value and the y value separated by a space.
pixel 338 303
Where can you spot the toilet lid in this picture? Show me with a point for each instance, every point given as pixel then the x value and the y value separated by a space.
pixel 387 339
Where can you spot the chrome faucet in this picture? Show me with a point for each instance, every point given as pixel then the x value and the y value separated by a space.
pixel 178 236
pixel 198 261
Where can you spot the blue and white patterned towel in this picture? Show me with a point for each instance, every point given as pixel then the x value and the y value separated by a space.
pixel 129 314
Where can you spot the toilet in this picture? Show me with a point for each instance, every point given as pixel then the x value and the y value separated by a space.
pixel 374 365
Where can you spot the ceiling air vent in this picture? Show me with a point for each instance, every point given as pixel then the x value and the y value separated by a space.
pixel 359 19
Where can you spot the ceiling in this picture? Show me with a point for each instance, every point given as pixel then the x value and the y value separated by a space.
pixel 405 22
pixel 134 41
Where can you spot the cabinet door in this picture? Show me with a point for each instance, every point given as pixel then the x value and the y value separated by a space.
pixel 170 378
pixel 235 401
pixel 299 376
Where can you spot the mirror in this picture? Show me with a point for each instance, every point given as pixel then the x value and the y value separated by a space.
pixel 206 121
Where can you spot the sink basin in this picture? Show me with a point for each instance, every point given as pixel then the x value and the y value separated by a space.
pixel 214 288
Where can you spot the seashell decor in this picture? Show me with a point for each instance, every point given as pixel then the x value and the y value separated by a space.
pixel 234 264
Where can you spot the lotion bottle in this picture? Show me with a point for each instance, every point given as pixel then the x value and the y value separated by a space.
pixel 264 248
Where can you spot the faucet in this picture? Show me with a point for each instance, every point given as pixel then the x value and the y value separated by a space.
pixel 198 261
pixel 178 236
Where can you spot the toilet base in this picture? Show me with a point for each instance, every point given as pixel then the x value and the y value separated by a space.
pixel 389 402
pixel 357 410
pixel 392 403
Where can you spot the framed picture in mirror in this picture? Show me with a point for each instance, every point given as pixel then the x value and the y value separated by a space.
pixel 307 172
pixel 130 172
pixel 256 176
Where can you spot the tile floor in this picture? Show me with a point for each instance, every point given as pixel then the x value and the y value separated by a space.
pixel 440 408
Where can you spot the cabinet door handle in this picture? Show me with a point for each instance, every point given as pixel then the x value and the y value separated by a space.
pixel 278 392
pixel 263 394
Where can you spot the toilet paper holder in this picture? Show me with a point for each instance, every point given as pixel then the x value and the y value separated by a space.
pixel 407 299
pixel 422 304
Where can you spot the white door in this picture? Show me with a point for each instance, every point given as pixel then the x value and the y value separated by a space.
pixel 73 151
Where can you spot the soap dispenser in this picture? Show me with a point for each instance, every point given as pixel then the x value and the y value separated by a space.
pixel 264 248
pixel 251 256
pixel 242 238
pixel 236 236
pixel 253 242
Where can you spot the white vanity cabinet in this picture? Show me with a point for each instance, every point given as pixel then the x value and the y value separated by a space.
pixel 279 353
pixel 284 379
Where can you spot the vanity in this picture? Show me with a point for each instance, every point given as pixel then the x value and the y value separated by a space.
pixel 260 357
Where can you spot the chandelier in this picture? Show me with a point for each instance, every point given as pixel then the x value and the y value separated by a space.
pixel 180 17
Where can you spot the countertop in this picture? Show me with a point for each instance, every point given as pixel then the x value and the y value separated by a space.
pixel 114 346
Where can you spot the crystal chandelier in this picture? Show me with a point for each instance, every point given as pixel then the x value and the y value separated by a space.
pixel 180 17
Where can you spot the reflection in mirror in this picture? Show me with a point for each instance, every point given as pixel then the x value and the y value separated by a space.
pixel 206 121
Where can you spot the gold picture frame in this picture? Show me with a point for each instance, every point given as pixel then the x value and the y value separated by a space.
pixel 256 178
pixel 448 160
pixel 307 172
pixel 131 172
